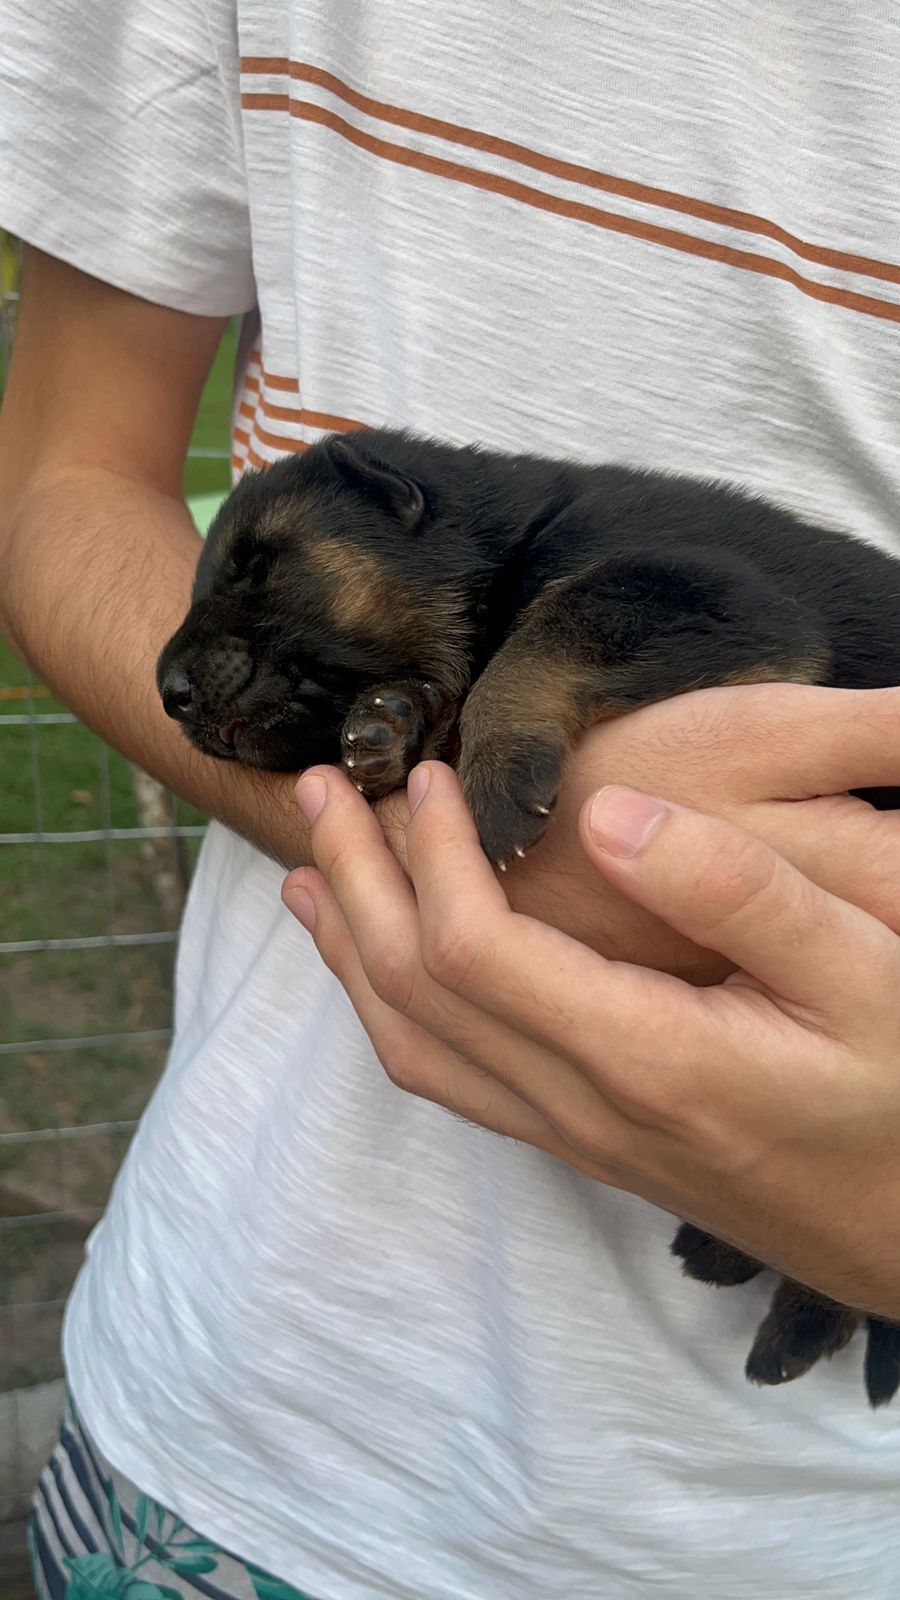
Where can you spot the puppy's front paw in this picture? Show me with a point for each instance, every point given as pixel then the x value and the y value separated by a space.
pixel 384 736
pixel 511 794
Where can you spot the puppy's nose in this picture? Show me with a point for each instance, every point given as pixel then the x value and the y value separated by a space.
pixel 177 695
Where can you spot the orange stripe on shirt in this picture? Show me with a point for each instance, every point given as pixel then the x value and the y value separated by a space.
pixel 572 171
pixel 612 221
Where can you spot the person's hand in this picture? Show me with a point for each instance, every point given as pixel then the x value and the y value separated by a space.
pixel 750 754
pixel 764 1108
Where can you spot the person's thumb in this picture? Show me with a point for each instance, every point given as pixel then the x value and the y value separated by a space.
pixel 730 892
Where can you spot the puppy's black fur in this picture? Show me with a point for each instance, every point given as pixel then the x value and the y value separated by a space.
pixel 386 597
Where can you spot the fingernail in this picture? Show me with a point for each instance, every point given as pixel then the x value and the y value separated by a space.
pixel 311 792
pixel 417 787
pixel 622 820
pixel 302 906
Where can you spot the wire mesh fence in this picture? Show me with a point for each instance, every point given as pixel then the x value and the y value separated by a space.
pixel 95 859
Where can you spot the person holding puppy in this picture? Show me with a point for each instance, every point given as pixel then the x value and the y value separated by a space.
pixel 347 1340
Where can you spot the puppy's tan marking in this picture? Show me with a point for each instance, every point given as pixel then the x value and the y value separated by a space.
pixel 520 697
pixel 525 695
pixel 363 597
pixel 281 517
pixel 809 668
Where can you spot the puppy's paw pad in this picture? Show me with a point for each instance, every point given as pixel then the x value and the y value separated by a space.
pixel 381 740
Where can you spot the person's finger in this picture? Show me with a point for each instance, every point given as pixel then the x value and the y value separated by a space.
pixel 816 740
pixel 842 844
pixel 707 878
pixel 414 1059
pixel 730 892
pixel 842 739
pixel 364 874
pixel 529 975
pixel 377 907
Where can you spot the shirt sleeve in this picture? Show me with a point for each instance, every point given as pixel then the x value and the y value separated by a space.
pixel 120 147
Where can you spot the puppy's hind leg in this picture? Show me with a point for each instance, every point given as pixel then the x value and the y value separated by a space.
pixel 882 1361
pixel 627 631
pixel 800 1328
pixel 711 1260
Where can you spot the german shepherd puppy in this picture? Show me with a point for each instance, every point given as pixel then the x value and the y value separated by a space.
pixel 383 597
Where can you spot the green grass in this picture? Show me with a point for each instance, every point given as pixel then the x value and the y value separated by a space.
pixel 211 427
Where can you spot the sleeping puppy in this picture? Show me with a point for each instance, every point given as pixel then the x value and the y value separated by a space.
pixel 384 597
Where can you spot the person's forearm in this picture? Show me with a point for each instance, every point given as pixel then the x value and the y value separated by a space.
pixel 97 572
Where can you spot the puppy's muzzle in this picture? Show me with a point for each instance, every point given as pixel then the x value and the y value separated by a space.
pixel 205 691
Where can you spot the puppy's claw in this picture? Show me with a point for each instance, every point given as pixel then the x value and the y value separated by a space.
pixel 501 865
pixel 519 852
pixel 351 738
pixel 542 811
pixel 378 701
pixel 350 761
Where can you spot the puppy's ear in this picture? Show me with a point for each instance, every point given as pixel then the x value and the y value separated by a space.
pixel 401 497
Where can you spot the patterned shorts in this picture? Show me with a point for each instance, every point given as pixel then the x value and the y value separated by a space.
pixel 93 1535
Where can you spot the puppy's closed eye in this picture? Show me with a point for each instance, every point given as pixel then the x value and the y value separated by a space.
pixel 309 689
pixel 251 560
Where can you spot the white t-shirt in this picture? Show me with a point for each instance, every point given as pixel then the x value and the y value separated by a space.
pixel 371 1348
